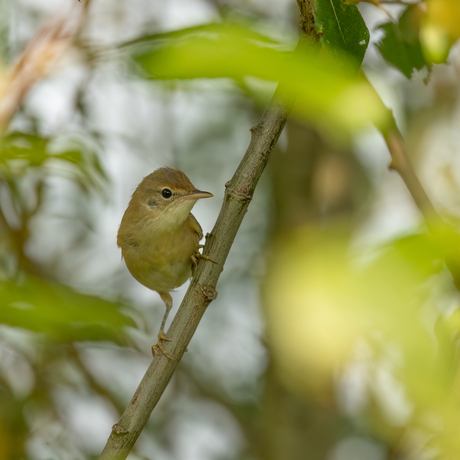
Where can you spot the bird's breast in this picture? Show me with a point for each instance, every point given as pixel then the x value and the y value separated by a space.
pixel 162 261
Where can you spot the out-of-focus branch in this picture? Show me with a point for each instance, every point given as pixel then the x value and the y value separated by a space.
pixel 37 59
pixel 401 163
pixel 95 385
pixel 239 192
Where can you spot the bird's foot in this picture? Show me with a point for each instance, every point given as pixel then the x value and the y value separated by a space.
pixel 158 348
pixel 197 256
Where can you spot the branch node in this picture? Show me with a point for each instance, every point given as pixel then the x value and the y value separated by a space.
pixel 243 197
pixel 253 129
pixel 118 430
pixel 209 293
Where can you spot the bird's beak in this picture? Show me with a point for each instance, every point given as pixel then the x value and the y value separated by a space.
pixel 197 194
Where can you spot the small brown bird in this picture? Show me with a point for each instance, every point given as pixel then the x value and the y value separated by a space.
pixel 159 236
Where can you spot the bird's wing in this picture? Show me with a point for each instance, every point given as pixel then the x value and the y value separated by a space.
pixel 195 226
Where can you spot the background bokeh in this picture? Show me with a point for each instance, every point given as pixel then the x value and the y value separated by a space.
pixel 334 334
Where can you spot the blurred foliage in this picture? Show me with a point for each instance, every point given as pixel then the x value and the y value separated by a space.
pixel 328 96
pixel 332 300
pixel 401 46
pixel 345 317
pixel 21 151
pixel 35 308
pixel 333 306
pixel 59 312
pixel 441 28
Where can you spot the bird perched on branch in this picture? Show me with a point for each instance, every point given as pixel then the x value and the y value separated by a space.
pixel 159 236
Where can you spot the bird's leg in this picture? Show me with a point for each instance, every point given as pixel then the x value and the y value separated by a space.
pixel 196 256
pixel 158 348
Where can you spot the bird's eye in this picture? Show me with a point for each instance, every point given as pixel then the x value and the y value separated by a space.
pixel 166 193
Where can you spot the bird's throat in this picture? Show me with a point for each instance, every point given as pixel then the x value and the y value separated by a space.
pixel 172 217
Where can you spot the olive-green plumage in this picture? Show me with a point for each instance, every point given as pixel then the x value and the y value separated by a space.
pixel 159 237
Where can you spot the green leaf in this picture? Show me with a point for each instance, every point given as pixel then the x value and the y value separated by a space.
pixel 78 153
pixel 326 95
pixel 22 146
pixel 206 29
pixel 228 51
pixel 401 46
pixel 344 32
pixel 61 313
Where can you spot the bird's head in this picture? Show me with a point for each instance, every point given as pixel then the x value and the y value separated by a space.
pixel 167 194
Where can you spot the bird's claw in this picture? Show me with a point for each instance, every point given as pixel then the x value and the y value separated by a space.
pixel 197 256
pixel 158 348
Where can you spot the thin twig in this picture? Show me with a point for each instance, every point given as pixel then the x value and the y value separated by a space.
pixel 435 224
pixel 239 191
pixel 401 163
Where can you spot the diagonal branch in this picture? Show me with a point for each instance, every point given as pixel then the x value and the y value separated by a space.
pixel 238 194
pixel 401 163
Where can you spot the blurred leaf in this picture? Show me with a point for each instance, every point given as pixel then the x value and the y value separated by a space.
pixel 344 32
pixel 441 28
pixel 204 30
pixel 328 302
pixel 228 51
pixel 326 94
pixel 22 146
pixel 60 313
pixel 401 46
pixel 72 156
pixel 21 150
pixel 78 152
